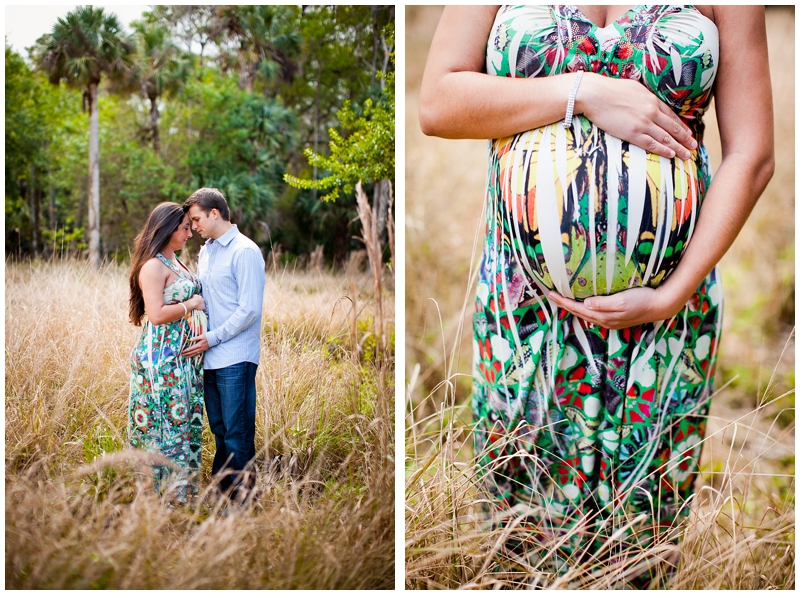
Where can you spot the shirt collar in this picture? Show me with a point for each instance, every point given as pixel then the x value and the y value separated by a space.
pixel 226 238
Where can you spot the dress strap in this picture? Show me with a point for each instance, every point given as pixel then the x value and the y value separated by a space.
pixel 170 265
pixel 185 269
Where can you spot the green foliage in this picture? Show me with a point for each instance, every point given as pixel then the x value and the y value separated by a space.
pixel 265 42
pixel 369 342
pixel 343 57
pixel 236 118
pixel 365 154
pixel 35 125
pixel 133 179
pixel 27 98
pixel 346 53
pixel 65 239
pixel 244 140
pixel 163 68
pixel 99 442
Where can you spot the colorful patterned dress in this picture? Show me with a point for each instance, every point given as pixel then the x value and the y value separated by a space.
pixel 582 430
pixel 166 397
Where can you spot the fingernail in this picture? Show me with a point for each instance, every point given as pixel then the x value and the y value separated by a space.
pixel 694 143
pixel 588 303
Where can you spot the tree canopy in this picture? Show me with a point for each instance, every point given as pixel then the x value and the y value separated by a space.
pixel 224 96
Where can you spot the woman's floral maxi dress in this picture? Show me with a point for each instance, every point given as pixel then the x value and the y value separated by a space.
pixel 166 395
pixel 587 432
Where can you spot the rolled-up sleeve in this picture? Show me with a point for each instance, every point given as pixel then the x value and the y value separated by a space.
pixel 250 279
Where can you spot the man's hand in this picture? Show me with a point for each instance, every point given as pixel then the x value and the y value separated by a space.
pixel 621 310
pixel 200 345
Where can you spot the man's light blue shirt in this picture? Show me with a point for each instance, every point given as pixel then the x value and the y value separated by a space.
pixel 231 270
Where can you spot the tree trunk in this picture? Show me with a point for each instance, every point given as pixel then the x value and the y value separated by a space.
pixel 52 211
pixel 390 227
pixel 94 178
pixel 316 126
pixel 374 43
pixel 51 215
pixel 154 124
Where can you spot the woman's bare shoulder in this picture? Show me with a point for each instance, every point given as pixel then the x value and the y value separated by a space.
pixel 724 14
pixel 153 270
pixel 459 43
pixel 154 264
pixel 474 10
pixel 469 21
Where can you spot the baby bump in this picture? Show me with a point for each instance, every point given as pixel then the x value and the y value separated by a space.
pixel 587 214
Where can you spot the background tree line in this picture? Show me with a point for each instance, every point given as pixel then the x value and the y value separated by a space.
pixel 105 123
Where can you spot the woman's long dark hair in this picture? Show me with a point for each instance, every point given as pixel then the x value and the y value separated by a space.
pixel 162 222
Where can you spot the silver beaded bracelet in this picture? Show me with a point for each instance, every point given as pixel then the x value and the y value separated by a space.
pixel 571 101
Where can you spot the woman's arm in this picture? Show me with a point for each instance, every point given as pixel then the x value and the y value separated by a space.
pixel 743 99
pixel 458 100
pixel 153 279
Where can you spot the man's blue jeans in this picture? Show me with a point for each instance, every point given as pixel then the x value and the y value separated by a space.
pixel 230 395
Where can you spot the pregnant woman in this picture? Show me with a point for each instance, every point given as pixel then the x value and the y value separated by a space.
pixel 598 307
pixel 166 389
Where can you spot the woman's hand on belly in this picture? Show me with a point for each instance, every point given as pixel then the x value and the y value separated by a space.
pixel 628 110
pixel 624 309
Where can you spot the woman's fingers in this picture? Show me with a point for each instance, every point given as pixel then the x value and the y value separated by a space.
pixel 580 309
pixel 677 127
pixel 665 135
pixel 659 141
pixel 649 143
pixel 630 112
pixel 621 310
pixel 678 136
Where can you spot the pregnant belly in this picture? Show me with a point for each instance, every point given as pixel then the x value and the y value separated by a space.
pixel 588 214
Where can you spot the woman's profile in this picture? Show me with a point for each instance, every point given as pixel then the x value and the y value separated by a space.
pixel 598 306
pixel 166 388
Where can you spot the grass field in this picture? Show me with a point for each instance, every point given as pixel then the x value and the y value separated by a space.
pixel 81 511
pixel 741 531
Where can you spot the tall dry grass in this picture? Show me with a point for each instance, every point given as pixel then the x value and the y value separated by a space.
pixel 739 535
pixel 741 530
pixel 81 511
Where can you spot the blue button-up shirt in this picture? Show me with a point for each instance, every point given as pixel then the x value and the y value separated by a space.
pixel 231 270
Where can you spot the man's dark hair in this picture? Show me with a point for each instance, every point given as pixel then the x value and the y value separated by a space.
pixel 207 199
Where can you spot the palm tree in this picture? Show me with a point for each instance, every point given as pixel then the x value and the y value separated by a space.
pixel 268 42
pixel 164 69
pixel 83 47
pixel 190 24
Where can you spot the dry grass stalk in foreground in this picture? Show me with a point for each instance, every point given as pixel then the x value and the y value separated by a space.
pixel 739 535
pixel 79 514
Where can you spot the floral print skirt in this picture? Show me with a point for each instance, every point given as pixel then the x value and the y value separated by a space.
pixel 166 405
pixel 586 432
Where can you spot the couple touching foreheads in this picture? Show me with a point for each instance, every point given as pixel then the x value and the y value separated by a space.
pixel 200 344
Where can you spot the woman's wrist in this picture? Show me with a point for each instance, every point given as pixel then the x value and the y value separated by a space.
pixel 586 90
pixel 571 99
pixel 671 297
